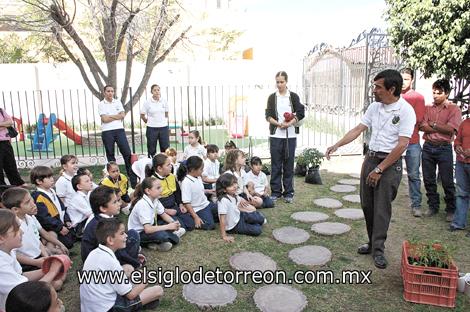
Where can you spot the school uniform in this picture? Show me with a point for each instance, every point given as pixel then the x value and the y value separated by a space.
pixel 192 192
pixel 128 255
pixel 211 171
pixel 144 212
pixel 240 181
pixel 31 241
pixel 79 210
pixel 100 297
pixel 10 275
pixel 239 222
pixel 120 183
pixel 52 215
pixel 199 151
pixel 260 182
pixel 157 125
pixel 64 188
pixel 139 167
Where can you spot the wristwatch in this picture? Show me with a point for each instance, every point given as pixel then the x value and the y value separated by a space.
pixel 378 170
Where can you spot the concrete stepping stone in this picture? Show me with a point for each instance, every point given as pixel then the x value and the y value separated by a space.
pixel 328 203
pixel 330 228
pixel 280 298
pixel 350 181
pixel 309 216
pixel 352 198
pixel 251 261
pixel 355 175
pixel 310 255
pixel 342 188
pixel 350 213
pixel 291 235
pixel 209 295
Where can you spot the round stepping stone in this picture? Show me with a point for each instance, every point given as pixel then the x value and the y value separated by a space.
pixel 350 213
pixel 355 175
pixel 352 198
pixel 280 298
pixel 310 255
pixel 251 261
pixel 330 228
pixel 350 181
pixel 309 216
pixel 291 235
pixel 209 295
pixel 328 203
pixel 342 188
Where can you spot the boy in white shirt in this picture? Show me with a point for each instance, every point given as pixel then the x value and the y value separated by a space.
pixel 211 170
pixel 63 185
pixel 79 208
pixel 257 183
pixel 123 296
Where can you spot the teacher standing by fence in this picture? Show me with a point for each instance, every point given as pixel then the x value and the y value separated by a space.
pixel 7 156
pixel 154 113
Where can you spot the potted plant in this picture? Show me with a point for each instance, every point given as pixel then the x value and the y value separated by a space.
pixel 312 158
pixel 300 166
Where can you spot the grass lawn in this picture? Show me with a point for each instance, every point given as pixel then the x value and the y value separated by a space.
pixel 207 249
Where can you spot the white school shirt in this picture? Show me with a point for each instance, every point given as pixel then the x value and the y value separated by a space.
pixel 240 179
pixel 199 150
pixel 228 206
pixel 155 111
pixel 283 105
pixel 55 200
pixel 99 297
pixel 192 192
pixel 64 188
pixel 113 108
pixel 10 275
pixel 79 208
pixel 387 123
pixel 30 242
pixel 139 167
pixel 211 169
pixel 144 212
pixel 260 181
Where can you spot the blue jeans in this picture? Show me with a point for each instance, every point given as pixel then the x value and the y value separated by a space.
pixel 282 166
pixel 462 175
pixel 209 216
pixel 250 223
pixel 413 162
pixel 155 134
pixel 267 202
pixel 438 156
pixel 159 237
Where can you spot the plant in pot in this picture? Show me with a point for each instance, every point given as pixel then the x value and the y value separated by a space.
pixel 300 166
pixel 313 159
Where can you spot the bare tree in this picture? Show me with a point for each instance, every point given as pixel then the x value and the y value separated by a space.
pixel 117 30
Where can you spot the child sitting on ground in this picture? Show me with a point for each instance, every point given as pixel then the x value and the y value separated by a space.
pixel 79 208
pixel 211 170
pixel 32 252
pixel 105 204
pixel 63 186
pixel 257 183
pixel 117 180
pixel 122 295
pixel 145 208
pixel 10 270
pixel 33 296
pixel 171 153
pixel 232 219
pixel 86 171
pixel 51 211
pixel 195 147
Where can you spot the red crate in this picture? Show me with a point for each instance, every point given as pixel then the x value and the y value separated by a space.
pixel 428 285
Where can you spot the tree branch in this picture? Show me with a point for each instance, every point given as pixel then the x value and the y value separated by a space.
pixel 162 57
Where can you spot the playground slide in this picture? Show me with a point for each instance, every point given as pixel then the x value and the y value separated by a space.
pixel 68 132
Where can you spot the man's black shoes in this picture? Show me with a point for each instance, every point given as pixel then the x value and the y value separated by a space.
pixel 380 261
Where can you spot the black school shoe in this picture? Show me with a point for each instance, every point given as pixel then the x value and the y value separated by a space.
pixel 380 261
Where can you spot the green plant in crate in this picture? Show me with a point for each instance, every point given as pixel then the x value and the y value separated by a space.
pixel 429 254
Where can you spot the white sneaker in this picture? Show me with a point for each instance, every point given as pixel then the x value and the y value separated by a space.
pixel 180 232
pixel 126 210
pixel 265 221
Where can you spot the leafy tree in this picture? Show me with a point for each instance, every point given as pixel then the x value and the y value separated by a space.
pixel 13 49
pixel 434 37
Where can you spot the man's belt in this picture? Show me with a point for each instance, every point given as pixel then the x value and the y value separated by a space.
pixel 379 155
pixel 438 143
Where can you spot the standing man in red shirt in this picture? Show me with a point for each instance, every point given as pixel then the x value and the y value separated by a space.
pixel 462 175
pixel 441 121
pixel 413 152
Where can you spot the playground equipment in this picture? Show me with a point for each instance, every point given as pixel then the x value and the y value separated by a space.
pixel 237 117
pixel 44 134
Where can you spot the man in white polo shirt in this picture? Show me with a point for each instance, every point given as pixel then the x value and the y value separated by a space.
pixel 391 121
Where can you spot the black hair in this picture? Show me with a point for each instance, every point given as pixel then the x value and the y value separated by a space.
pixel 392 79
pixel 212 148
pixel 230 145
pixel 66 158
pixel 107 86
pixel 7 221
pixel 224 181
pixel 111 163
pixel 76 180
pixel 139 191
pixel 13 197
pixel 30 296
pixel 153 86
pixel 408 71
pixel 197 135
pixel 83 170
pixel 192 163
pixel 255 160
pixel 282 74
pixel 157 161
pixel 40 173
pixel 100 197
pixel 442 85
pixel 107 227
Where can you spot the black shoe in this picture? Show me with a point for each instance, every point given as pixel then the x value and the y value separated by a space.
pixel 151 305
pixel 364 249
pixel 380 261
pixel 453 229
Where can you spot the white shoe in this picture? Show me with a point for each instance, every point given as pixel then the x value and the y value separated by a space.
pixel 160 247
pixel 180 232
pixel 126 210
pixel 265 221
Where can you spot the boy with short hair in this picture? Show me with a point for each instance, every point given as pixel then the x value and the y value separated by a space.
pixel 79 207
pixel 257 182
pixel 111 236
pixel 105 205
pixel 51 211
pixel 211 169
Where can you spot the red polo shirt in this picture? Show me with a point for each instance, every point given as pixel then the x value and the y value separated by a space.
pixel 445 114
pixel 416 101
pixel 463 139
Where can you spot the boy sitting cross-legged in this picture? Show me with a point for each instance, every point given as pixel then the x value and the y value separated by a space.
pixel 105 205
pixel 79 208
pixel 113 295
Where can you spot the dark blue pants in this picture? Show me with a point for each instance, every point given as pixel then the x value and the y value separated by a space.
pixel 282 166
pixel 185 219
pixel 438 156
pixel 8 164
pixel 250 224
pixel 154 134
pixel 159 237
pixel 129 255
pixel 118 136
pixel 209 216
pixel 267 202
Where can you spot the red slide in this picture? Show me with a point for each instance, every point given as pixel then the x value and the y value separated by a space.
pixel 68 132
